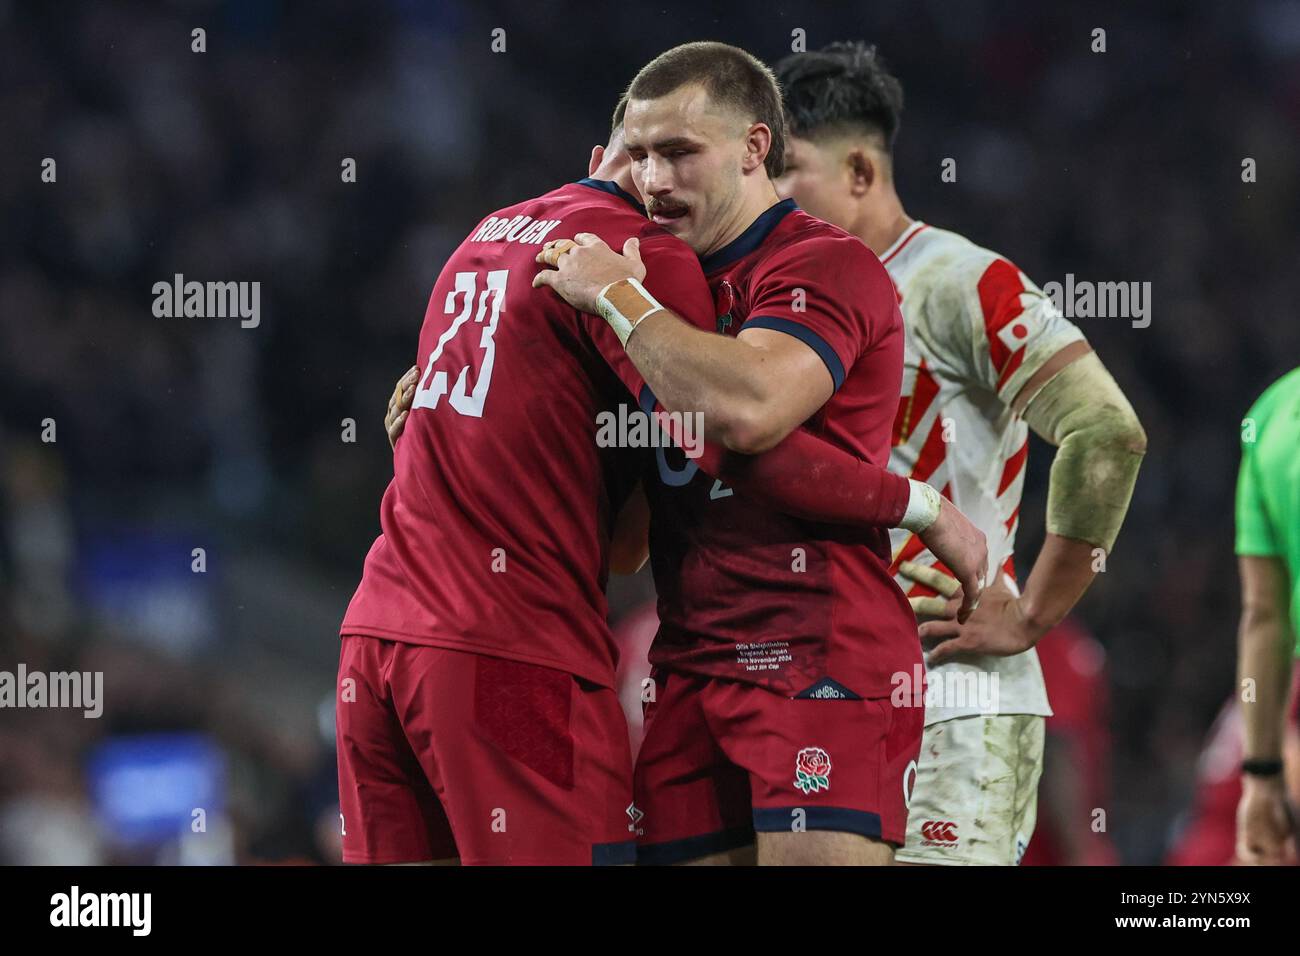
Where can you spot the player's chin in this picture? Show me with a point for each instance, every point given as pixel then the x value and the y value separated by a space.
pixel 684 228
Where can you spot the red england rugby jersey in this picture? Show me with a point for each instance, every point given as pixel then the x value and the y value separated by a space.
pixel 748 593
pixel 496 525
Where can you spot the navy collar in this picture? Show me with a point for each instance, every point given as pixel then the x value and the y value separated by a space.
pixel 750 239
pixel 614 189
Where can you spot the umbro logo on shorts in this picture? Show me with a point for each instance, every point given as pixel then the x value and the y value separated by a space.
pixel 826 689
pixel 938 833
pixel 635 814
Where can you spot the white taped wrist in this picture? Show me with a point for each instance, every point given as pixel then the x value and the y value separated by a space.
pixel 923 505
pixel 623 304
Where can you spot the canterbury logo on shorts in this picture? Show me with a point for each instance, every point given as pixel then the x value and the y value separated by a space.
pixel 938 833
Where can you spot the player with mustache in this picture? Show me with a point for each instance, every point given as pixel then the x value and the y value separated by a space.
pixel 476 716
pixel 780 640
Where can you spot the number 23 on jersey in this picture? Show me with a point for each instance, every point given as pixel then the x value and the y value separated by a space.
pixel 463 396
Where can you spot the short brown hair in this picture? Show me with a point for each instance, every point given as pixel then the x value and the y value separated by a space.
pixel 616 121
pixel 730 76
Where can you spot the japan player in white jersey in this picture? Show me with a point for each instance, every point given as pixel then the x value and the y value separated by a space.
pixel 987 358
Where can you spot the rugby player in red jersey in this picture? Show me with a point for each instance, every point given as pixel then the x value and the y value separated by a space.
pixel 476 715
pixel 780 638
pixel 987 358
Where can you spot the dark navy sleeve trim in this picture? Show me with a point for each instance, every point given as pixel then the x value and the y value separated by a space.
pixel 805 335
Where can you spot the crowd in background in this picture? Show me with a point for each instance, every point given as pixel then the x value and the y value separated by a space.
pixel 196 525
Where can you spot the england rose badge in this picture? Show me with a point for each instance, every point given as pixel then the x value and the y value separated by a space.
pixel 812 770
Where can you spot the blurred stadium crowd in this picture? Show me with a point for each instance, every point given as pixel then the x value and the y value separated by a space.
pixel 181 434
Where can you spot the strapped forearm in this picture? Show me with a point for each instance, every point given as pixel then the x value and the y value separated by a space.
pixel 1100 445
pixel 728 380
pixel 802 475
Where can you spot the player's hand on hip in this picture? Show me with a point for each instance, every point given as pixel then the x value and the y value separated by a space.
pixel 961 546
pixel 998 626
pixel 399 404
pixel 1265 830
pixel 579 268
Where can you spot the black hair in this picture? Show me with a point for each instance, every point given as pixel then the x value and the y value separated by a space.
pixel 840 87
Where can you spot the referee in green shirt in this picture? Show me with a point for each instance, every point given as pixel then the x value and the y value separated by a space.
pixel 1268 554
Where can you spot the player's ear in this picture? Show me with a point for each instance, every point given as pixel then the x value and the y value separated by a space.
pixel 862 171
pixel 597 157
pixel 758 142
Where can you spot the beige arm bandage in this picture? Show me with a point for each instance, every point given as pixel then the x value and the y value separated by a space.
pixel 1100 445
pixel 623 304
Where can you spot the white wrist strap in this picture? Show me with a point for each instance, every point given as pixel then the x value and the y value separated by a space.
pixel 625 325
pixel 923 504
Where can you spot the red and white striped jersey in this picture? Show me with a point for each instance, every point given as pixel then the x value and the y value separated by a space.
pixel 976 331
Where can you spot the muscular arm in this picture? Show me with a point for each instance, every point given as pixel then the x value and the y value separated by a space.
pixel 808 477
pixel 753 390
pixel 770 383
pixel 804 476
pixel 801 474
pixel 1058 579
pixel 1073 403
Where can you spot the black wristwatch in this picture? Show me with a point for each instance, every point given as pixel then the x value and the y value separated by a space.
pixel 1261 768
